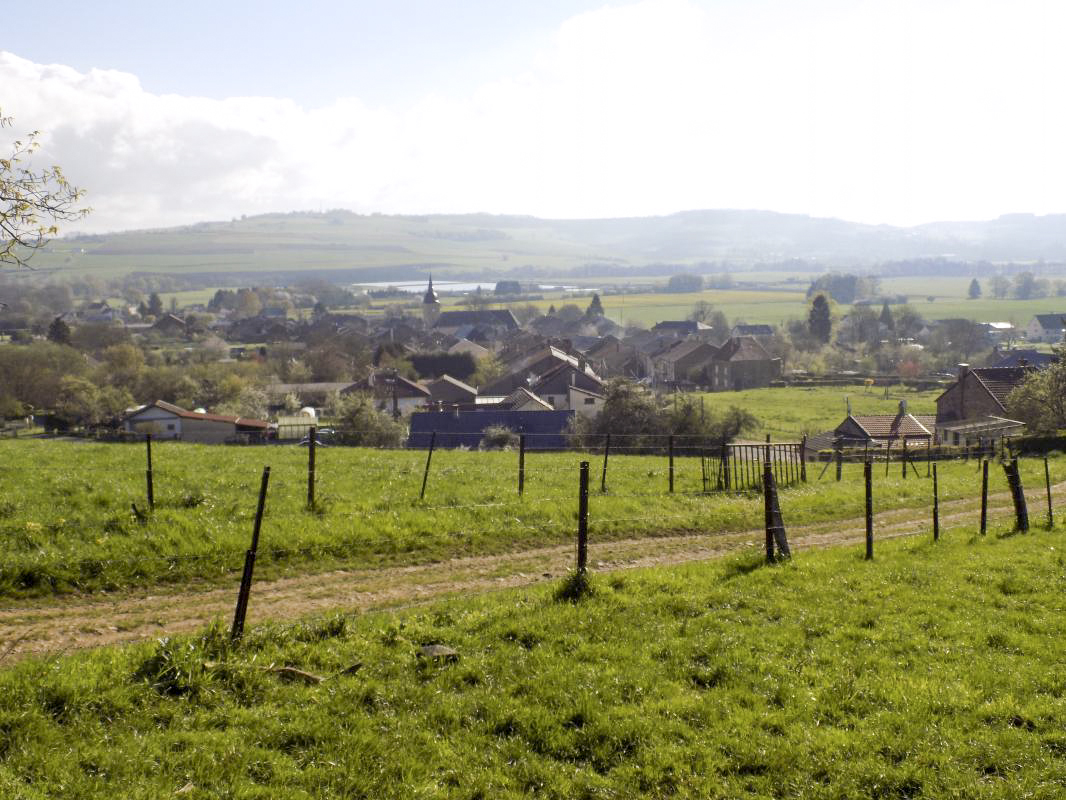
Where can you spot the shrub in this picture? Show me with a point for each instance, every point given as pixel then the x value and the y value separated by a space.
pixel 498 437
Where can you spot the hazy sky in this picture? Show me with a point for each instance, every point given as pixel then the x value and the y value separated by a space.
pixel 898 112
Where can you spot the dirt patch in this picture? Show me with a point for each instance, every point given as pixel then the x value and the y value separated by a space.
pixel 64 624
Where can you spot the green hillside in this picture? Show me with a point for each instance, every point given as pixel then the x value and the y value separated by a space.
pixel 345 246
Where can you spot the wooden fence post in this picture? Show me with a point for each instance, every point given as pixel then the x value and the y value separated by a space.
pixel 775 525
pixel 148 473
pixel 583 518
pixel 670 448
pixel 241 612
pixel 936 507
pixel 606 453
pixel 904 459
pixel 312 436
pixel 867 473
pixel 840 462
pixel 803 459
pixel 1021 510
pixel 521 463
pixel 429 458
pixel 1050 510
pixel 984 497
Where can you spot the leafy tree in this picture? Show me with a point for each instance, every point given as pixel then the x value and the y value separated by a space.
pixel 595 308
pixel 1027 286
pixel 59 331
pixel 631 411
pixel 846 288
pixel 819 319
pixel 684 282
pixel 31 201
pixel 250 403
pixel 155 305
pixel 525 312
pixel 886 317
pixel 1000 286
pixel 507 287
pixel 551 310
pixel 570 313
pixel 1040 401
pixel 360 423
pixel 975 289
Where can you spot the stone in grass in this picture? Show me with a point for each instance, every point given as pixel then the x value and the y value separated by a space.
pixel 438 652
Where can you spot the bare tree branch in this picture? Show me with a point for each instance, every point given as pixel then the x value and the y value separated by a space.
pixel 32 202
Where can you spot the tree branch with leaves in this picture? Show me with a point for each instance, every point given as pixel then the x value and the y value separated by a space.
pixel 32 201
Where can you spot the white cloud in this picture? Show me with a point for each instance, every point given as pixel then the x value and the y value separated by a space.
pixel 883 111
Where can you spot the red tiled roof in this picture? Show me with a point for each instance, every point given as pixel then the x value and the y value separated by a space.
pixel 882 426
pixel 181 412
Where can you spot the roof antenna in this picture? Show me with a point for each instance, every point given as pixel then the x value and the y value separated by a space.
pixel 847 402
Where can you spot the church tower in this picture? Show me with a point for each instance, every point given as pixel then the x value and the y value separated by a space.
pixel 430 305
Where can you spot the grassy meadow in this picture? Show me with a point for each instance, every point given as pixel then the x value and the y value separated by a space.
pixel 787 414
pixel 66 522
pixel 932 671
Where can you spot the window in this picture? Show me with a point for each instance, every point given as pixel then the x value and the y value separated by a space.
pixel 170 426
pixel 590 401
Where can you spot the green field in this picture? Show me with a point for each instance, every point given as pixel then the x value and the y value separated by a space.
pixel 66 522
pixel 933 671
pixel 787 414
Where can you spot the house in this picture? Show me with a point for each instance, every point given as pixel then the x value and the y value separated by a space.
pixel 1047 328
pixel 1024 358
pixel 682 360
pixel 612 358
pixel 739 329
pixel 568 388
pixel 979 392
pixel 449 390
pixel 170 325
pixel 519 400
pixel 473 348
pixel 684 327
pixel 489 323
pixel 393 393
pixel 167 421
pixel 749 365
pixel 881 430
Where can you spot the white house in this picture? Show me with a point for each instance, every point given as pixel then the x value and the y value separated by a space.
pixel 167 421
pixel 1046 328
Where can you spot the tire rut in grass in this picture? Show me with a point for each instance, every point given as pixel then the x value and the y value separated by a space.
pixel 63 624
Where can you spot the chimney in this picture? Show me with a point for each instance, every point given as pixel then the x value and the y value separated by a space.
pixel 903 408
pixel 963 369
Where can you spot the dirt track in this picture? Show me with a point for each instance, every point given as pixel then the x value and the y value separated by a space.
pixel 67 623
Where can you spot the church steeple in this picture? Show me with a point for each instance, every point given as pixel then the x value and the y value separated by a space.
pixel 430 305
pixel 431 296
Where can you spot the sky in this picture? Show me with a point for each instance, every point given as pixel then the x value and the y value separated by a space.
pixel 898 112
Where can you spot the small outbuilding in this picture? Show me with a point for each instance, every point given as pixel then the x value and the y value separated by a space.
pixel 167 421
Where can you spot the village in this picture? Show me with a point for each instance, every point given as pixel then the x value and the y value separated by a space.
pixel 269 373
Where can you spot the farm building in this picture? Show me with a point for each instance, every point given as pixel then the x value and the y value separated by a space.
pixel 166 421
pixel 880 430
pixel 979 392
